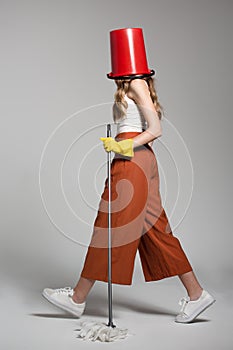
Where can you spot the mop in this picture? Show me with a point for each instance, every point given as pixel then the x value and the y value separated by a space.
pixel 90 330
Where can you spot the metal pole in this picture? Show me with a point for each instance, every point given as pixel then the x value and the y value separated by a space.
pixel 110 321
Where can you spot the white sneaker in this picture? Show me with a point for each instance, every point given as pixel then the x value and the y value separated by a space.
pixel 61 297
pixel 192 308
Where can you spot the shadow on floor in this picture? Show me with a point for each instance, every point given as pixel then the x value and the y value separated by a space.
pixel 133 305
pixel 47 315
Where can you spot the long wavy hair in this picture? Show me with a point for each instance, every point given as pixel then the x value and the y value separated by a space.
pixel 120 104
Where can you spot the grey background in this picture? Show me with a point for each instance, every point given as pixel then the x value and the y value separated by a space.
pixel 54 59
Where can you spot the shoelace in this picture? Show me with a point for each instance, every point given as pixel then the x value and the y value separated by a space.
pixel 66 290
pixel 183 301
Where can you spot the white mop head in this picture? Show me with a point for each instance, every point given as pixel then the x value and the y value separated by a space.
pixel 90 330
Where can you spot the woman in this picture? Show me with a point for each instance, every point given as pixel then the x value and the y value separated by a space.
pixel 139 221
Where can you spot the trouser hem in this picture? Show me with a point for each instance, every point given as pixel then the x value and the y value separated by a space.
pixel 153 279
pixel 147 279
pixel 128 283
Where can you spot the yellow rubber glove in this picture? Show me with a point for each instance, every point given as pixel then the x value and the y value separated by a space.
pixel 124 147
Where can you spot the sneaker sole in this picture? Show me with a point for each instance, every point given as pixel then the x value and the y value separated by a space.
pixel 61 306
pixel 193 317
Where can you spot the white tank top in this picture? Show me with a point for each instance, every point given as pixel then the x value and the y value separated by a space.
pixel 133 120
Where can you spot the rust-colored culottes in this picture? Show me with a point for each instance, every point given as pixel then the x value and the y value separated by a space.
pixel 138 221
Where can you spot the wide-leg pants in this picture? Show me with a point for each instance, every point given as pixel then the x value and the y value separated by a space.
pixel 139 222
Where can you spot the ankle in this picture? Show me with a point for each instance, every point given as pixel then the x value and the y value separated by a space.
pixel 77 298
pixel 195 295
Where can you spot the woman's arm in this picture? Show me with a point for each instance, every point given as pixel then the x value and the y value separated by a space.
pixel 139 92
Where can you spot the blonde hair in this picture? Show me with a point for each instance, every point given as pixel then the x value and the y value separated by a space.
pixel 120 104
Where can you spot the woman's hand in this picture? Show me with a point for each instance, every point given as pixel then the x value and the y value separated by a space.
pixel 124 147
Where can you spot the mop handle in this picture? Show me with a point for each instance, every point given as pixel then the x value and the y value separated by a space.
pixel 110 321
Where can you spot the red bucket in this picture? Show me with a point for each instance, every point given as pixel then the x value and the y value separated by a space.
pixel 128 54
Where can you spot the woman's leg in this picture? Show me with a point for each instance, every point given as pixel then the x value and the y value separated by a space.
pixel 82 289
pixel 129 195
pixel 191 284
pixel 160 251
